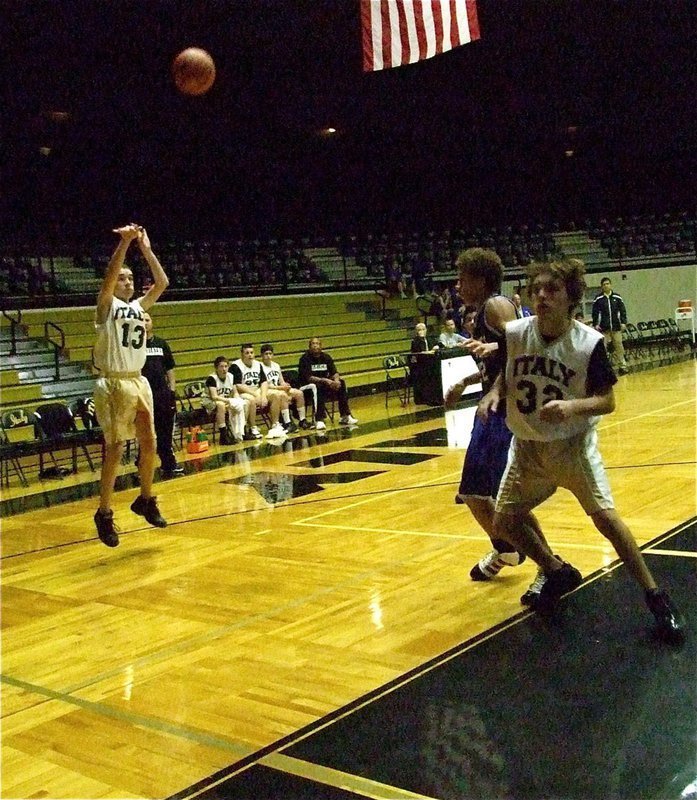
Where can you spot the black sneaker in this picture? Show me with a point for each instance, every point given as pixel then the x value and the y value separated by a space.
pixel 305 425
pixel 291 427
pixel 106 530
pixel 556 584
pixel 147 507
pixel 670 624
pixel 532 593
pixel 224 436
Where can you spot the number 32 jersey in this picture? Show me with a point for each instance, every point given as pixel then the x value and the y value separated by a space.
pixel 575 365
pixel 120 345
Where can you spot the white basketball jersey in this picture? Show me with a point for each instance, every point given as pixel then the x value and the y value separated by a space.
pixel 224 388
pixel 538 371
pixel 273 373
pixel 121 340
pixel 252 375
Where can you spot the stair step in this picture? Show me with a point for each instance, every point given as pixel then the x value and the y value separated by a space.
pixel 27 361
pixel 74 388
pixel 41 375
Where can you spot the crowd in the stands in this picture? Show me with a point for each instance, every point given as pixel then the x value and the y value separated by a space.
pixel 399 260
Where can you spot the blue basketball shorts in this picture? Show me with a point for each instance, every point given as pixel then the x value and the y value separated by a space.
pixel 486 457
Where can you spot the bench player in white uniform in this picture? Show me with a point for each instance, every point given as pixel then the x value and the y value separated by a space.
pixel 225 400
pixel 251 383
pixel 288 394
pixel 122 396
pixel 558 380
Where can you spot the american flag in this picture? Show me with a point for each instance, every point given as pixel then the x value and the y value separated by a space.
pixel 397 32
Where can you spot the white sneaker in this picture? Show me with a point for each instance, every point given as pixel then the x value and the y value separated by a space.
pixel 493 562
pixel 276 432
pixel 320 426
pixel 256 433
pixel 348 420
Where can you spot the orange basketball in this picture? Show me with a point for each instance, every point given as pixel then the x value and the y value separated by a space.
pixel 193 71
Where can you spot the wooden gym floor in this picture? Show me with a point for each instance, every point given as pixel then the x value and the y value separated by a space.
pixel 306 627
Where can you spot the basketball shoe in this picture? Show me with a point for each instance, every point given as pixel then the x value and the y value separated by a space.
pixel 106 529
pixel 147 507
pixel 276 431
pixel 532 593
pixel 670 624
pixel 493 562
pixel 556 584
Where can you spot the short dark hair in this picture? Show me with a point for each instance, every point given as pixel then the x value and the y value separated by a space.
pixel 265 348
pixel 219 361
pixel 245 346
pixel 605 280
pixel 480 262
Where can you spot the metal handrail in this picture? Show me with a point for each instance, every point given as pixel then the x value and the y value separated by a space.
pixel 14 324
pixel 57 348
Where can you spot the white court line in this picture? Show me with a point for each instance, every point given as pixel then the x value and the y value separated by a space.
pixel 682 553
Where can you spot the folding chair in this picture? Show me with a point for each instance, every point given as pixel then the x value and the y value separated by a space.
pixel 12 452
pixel 55 428
pixel 397 378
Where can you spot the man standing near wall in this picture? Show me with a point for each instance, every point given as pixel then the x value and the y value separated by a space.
pixel 610 318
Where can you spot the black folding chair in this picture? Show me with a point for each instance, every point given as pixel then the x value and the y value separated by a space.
pixel 397 378
pixel 55 428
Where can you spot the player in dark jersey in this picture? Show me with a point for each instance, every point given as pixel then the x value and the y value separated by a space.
pixel 479 285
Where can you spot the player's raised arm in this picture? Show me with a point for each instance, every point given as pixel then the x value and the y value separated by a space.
pixel 106 294
pixel 160 279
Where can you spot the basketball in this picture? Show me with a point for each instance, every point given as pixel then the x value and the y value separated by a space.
pixel 193 71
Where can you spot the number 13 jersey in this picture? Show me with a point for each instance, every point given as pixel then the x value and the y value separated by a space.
pixel 573 366
pixel 120 345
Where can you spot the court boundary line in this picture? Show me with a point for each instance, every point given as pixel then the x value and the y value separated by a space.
pixel 406 678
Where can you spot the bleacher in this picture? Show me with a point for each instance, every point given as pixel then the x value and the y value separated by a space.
pixel 356 329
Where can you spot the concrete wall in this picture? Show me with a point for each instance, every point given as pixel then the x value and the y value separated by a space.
pixel 647 293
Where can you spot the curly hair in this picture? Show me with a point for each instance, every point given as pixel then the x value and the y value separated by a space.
pixel 570 271
pixel 482 263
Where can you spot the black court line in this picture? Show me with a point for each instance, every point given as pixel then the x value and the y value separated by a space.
pixel 585 706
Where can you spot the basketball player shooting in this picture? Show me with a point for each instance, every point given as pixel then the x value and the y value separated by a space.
pixel 122 397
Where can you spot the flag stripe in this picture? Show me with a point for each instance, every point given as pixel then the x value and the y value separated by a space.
pixel 397 32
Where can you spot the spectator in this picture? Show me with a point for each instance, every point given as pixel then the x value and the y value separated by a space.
pixel 316 366
pixel 394 280
pixel 520 310
pixel 420 343
pixel 288 394
pixel 610 318
pixel 450 337
pixel 159 371
pixel 468 324
pixel 231 410
pixel 250 380
pixel 122 396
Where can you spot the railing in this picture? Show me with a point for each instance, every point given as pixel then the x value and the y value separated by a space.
pixel 14 324
pixel 57 348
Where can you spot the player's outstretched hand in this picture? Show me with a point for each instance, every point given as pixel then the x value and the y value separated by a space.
pixel 481 349
pixel 128 232
pixel 143 238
